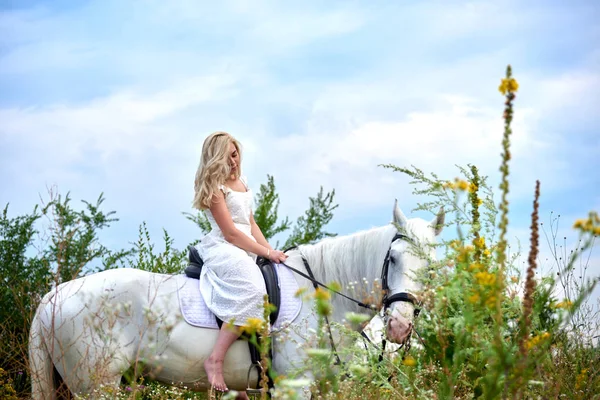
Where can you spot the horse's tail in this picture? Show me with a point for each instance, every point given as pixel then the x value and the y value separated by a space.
pixel 40 362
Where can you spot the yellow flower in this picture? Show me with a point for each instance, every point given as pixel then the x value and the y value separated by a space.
pixel 448 185
pixel 591 224
pixel 487 253
pixel 475 267
pixel 462 185
pixel 455 244
pixel 474 298
pixel 491 301
pixel 509 85
pixel 321 294
pixel 545 335
pixel 322 301
pixel 537 340
pixel 409 361
pixel 479 202
pixel 566 304
pixel 253 325
pixel 463 253
pixel 485 278
pixel 472 187
pixel 479 242
pixel 581 378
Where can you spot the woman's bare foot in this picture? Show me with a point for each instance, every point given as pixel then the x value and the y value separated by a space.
pixel 214 372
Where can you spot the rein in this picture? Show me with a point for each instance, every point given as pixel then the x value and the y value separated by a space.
pixel 316 283
pixel 386 301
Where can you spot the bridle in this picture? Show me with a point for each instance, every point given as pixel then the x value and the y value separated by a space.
pixel 387 300
pixel 385 287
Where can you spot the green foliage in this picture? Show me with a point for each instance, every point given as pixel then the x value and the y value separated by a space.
pixel 199 218
pixel 265 214
pixel 32 262
pixel 19 272
pixel 461 357
pixel 486 332
pixel 309 227
pixel 169 261
pixel 24 280
pixel 74 242
pixel 458 213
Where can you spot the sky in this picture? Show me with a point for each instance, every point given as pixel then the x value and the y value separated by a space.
pixel 116 97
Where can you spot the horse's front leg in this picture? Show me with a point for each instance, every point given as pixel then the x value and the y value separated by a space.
pixel 290 358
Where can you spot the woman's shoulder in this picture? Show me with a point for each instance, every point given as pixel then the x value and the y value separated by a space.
pixel 223 188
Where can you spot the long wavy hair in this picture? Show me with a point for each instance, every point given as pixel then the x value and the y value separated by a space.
pixel 214 168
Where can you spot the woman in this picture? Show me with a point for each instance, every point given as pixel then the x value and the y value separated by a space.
pixel 230 282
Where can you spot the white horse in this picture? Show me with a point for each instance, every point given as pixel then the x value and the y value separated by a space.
pixel 93 329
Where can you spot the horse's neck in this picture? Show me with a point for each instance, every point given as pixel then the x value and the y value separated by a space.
pixel 349 259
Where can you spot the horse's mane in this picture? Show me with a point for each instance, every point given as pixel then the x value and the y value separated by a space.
pixel 351 257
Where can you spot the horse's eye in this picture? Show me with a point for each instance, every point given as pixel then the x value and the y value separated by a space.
pixel 393 259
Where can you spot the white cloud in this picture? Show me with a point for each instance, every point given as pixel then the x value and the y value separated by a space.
pixel 127 121
pixel 191 68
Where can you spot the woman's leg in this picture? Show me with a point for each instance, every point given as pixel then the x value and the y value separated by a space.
pixel 214 363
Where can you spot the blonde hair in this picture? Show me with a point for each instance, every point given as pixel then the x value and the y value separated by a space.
pixel 214 167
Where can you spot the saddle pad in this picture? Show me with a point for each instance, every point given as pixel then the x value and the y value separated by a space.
pixel 196 312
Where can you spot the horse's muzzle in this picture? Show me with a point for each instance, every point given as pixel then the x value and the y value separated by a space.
pixel 398 327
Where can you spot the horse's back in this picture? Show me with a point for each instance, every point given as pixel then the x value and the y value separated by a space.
pixel 113 283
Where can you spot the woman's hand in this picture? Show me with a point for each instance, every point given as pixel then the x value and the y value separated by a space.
pixel 277 256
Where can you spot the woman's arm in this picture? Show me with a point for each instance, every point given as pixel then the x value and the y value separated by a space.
pixel 257 233
pixel 232 234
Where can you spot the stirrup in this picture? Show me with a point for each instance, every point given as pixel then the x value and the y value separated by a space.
pixel 258 390
pixel 254 392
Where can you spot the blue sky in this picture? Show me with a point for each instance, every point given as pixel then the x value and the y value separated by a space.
pixel 118 96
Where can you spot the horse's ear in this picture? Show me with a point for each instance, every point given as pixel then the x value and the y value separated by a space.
pixel 399 217
pixel 438 222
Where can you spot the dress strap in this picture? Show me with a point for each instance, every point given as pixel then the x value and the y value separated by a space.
pixel 243 179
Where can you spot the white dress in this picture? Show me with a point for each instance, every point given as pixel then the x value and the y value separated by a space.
pixel 231 283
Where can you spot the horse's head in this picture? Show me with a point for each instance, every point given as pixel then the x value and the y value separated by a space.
pixel 408 253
